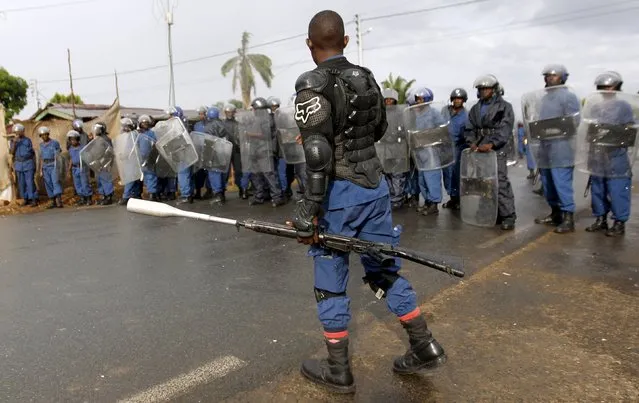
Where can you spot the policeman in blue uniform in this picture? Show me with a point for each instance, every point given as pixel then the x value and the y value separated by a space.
pixel 105 177
pixel 49 150
pixel 396 181
pixel 456 115
pixel 200 178
pixel 148 155
pixel 78 171
pixel 341 113
pixel 430 182
pixel 557 182
pixel 131 189
pixel 218 180
pixel 612 194
pixel 24 164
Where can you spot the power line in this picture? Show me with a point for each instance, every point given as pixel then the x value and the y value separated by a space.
pixel 564 17
pixel 423 10
pixel 45 6
pixel 232 52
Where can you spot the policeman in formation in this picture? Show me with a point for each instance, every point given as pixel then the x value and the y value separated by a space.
pixel 148 155
pixel 78 171
pixel 430 182
pixel 613 193
pixel 78 126
pixel 490 127
pixel 49 152
pixel 24 165
pixel 455 113
pixel 200 178
pixel 267 182
pixel 557 157
pixel 240 178
pixel 131 189
pixel 345 182
pixel 218 180
pixel 396 181
pixel 105 177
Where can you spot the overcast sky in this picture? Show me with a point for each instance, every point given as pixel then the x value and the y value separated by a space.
pixel 443 49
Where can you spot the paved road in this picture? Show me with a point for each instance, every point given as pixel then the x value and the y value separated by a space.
pixel 99 304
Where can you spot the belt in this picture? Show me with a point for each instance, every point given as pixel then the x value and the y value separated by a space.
pixel 21 159
pixel 486 132
pixel 48 161
pixel 75 165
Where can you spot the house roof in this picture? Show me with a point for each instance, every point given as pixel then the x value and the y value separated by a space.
pixel 92 111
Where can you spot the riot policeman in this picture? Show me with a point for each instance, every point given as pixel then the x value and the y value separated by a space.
pixel 341 114
pixel 490 127
pixel 457 115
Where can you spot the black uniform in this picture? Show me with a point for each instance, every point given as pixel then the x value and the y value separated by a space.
pixel 492 122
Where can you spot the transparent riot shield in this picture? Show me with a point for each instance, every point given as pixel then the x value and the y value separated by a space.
pixel 61 168
pixel 479 188
pixel 431 145
pixel 214 153
pixel 127 158
pixel 175 145
pixel 392 149
pixel 287 134
pixel 97 155
pixel 255 141
pixel 551 116
pixel 608 134
pixel 147 151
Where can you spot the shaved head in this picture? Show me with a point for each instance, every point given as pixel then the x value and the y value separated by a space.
pixel 326 31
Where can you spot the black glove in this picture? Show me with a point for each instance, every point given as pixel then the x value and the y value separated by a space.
pixel 306 213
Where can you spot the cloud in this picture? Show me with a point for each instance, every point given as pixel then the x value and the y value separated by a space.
pixel 441 49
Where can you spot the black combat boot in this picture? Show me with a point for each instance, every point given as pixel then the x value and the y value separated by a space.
pixel 567 223
pixel 53 203
pixel 424 353
pixel 554 218
pixel 123 202
pixel 171 196
pixel 618 229
pixel 243 194
pixel 453 203
pixel 197 195
pixel 81 201
pixel 88 200
pixel 508 223
pixel 600 224
pixel 539 191
pixel 108 200
pixel 333 372
pixel 34 202
pixel 155 197
pixel 185 200
pixel 218 199
pixel 278 203
pixel 531 174
pixel 430 209
pixel 59 201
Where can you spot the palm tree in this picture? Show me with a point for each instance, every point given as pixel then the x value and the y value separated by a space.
pixel 399 84
pixel 243 65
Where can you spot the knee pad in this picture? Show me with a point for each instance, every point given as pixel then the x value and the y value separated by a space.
pixel 321 295
pixel 380 282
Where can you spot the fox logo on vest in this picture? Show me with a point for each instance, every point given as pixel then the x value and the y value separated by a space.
pixel 304 110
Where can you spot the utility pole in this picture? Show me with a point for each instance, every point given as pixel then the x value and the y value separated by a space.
pixel 35 93
pixel 169 22
pixel 71 82
pixel 360 45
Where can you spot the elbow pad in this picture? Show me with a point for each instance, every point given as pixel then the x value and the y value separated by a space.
pixel 319 158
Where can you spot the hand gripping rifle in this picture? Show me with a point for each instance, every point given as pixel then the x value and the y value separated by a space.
pixel 382 253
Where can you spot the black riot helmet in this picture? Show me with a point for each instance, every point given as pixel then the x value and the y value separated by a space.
pixel 259 103
pixel 459 93
pixel 100 129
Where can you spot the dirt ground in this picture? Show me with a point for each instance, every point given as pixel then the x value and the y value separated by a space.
pixel 522 329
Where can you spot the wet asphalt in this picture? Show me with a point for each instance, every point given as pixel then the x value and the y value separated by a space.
pixel 98 304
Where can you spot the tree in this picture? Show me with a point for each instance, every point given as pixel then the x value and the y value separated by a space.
pixel 13 93
pixel 65 99
pixel 242 67
pixel 399 84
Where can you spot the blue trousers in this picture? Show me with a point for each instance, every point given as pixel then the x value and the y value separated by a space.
pixel 396 185
pixel 105 183
pixel 218 181
pixel 150 181
pixel 81 181
pixel 185 182
pixel 51 180
pixel 452 173
pixel 558 189
pixel 132 190
pixel 370 221
pixel 611 194
pixel 26 184
pixel 411 188
pixel 530 162
pixel 430 185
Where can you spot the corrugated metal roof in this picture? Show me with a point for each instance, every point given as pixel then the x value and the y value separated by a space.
pixel 91 111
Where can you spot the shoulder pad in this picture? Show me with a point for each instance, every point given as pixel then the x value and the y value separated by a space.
pixel 315 80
